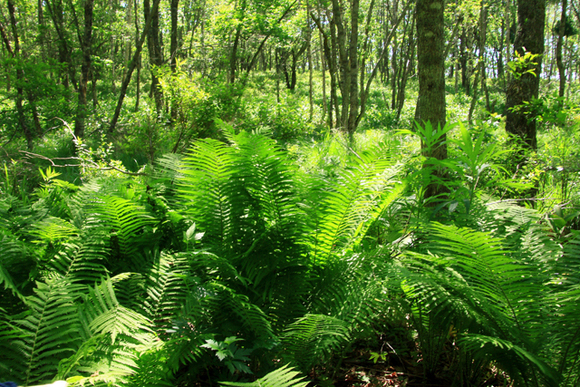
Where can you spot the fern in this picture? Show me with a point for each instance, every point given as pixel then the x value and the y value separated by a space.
pixel 311 339
pixel 204 187
pixel 166 289
pixel 564 314
pixel 113 336
pixel 9 333
pixel 79 262
pixel 349 207
pixel 126 224
pixel 243 198
pixel 282 377
pixel 51 328
pixel 471 282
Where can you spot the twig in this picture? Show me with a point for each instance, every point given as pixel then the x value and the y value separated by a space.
pixel 51 161
pixel 519 200
pixel 94 164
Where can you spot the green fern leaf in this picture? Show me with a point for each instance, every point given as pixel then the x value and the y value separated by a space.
pixel 311 339
pixel 51 328
pixel 282 377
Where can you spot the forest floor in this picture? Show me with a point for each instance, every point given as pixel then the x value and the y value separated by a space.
pixel 366 373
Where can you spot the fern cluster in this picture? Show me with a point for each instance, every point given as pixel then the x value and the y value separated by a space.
pixel 231 261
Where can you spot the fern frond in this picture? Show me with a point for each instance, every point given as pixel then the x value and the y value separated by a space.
pixel 347 210
pixel 51 328
pixel 470 281
pixel 282 377
pixel 126 223
pixel 9 334
pixel 107 316
pixel 7 280
pixel 227 305
pixel 311 339
pixel 53 230
pixel 564 314
pixel 80 262
pixel 267 220
pixel 488 268
pixel 204 187
pixel 113 336
pixel 166 290
pixel 18 262
pixel 513 358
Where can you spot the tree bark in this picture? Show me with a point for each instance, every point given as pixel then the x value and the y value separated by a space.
pixel 56 11
pixel 431 67
pixel 559 61
pixel 86 43
pixel 155 54
pixel 234 55
pixel 15 53
pixel 174 43
pixel 530 34
pixel 130 69
pixel 353 64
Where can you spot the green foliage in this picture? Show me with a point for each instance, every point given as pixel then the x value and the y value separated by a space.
pixel 493 298
pixel 230 353
pixel 282 377
pixel 523 64
pixel 569 27
pixel 238 259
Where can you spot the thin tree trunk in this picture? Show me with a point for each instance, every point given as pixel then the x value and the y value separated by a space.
pixel 173 51
pixel 381 56
pixel 309 58
pixel 131 68
pixel 86 43
pixel 480 71
pixel 234 55
pixel 64 51
pixel 353 59
pixel 15 53
pixel 410 53
pixel 138 59
pixel 559 61
pixel 155 54
pixel 174 24
pixel 508 42
pixel 341 47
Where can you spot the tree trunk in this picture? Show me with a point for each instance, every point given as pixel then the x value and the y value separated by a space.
pixel 174 24
pixel 56 10
pixel 324 52
pixel 309 58
pixel 559 61
pixel 431 67
pixel 138 61
pixel 15 53
pixel 341 47
pixel 410 53
pixel 464 61
pixel 480 71
pixel 530 34
pixel 86 43
pixel 131 68
pixel 353 64
pixel 155 54
pixel 173 51
pixel 234 55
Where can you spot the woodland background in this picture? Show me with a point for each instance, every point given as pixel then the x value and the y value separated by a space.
pixel 290 193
